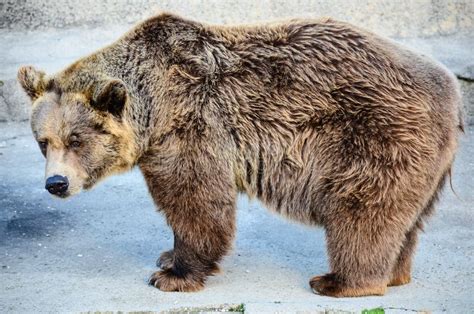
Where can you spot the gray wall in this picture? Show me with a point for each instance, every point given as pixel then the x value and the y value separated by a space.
pixel 400 18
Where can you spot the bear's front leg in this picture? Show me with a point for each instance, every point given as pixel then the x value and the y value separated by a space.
pixel 185 269
pixel 197 197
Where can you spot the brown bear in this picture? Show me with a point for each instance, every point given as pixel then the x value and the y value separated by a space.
pixel 324 122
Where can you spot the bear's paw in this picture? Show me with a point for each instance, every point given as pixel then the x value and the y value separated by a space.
pixel 329 285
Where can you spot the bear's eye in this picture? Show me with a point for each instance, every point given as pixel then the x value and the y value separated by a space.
pixel 75 144
pixel 43 145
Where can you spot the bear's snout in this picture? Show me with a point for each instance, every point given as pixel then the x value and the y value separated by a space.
pixel 57 185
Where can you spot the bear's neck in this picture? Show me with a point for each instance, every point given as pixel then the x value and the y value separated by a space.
pixel 126 61
pixel 140 59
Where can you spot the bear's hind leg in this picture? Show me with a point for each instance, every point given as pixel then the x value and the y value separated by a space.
pixel 362 252
pixel 401 273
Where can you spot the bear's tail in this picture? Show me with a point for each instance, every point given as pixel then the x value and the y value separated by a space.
pixel 449 172
pixel 461 112
pixel 461 120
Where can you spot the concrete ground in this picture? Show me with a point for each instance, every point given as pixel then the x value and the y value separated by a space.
pixel 94 252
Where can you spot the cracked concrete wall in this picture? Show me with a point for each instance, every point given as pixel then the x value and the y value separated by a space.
pixel 13 102
pixel 401 18
pixel 467 90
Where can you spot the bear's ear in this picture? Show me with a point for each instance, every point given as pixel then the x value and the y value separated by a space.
pixel 110 96
pixel 32 81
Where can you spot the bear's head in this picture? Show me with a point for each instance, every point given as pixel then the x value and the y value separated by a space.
pixel 77 118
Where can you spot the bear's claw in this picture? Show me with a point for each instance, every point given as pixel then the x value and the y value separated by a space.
pixel 401 279
pixel 166 280
pixel 165 261
pixel 324 285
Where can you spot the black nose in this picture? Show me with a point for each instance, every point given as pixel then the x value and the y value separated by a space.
pixel 57 185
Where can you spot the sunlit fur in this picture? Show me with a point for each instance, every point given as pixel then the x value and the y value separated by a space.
pixel 324 122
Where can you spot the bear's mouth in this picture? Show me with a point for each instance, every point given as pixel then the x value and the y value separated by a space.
pixel 62 195
pixel 68 193
pixel 88 185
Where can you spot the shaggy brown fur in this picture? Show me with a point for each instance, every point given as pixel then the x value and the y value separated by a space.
pixel 324 122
